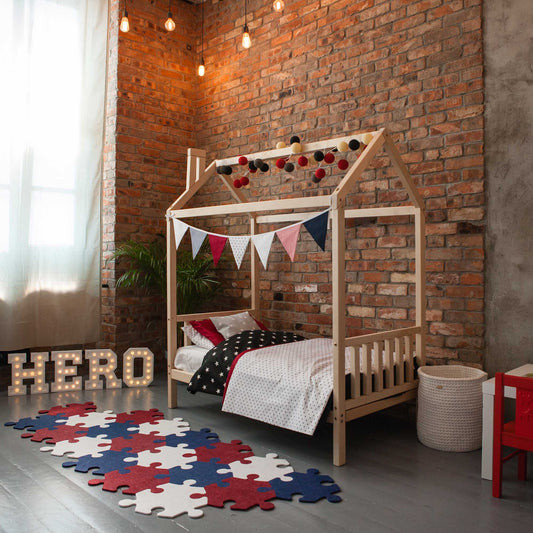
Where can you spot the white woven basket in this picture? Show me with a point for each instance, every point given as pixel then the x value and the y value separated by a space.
pixel 450 403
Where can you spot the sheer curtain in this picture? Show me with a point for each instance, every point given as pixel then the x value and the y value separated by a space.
pixel 52 62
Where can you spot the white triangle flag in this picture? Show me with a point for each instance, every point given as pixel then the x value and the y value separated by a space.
pixel 263 243
pixel 197 239
pixel 238 247
pixel 180 229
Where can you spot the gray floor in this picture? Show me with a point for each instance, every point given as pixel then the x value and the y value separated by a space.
pixel 390 483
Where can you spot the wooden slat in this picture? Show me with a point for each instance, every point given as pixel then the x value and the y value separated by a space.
pixel 286 217
pixel 354 341
pixel 420 285
pixel 375 406
pixel 385 393
pixel 408 349
pixel 398 359
pixel 338 246
pixel 181 375
pixel 172 341
pixel 367 369
pixel 285 152
pixel 378 376
pixel 389 364
pixel 255 288
pixel 253 207
pixel 355 373
pixel 202 316
pixel 401 210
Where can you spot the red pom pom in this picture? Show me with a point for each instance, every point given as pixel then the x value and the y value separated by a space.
pixel 302 161
pixel 342 164
pixel 252 170
pixel 244 181
pixel 320 173
pixel 243 160
pixel 329 158
pixel 280 163
pixel 237 184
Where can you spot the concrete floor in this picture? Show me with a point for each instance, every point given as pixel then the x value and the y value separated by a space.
pixel 391 482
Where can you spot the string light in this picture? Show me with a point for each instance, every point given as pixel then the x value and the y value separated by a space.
pixel 170 25
pixel 278 5
pixel 124 21
pixel 246 40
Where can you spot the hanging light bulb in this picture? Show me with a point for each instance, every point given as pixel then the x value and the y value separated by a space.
pixel 278 5
pixel 170 25
pixel 246 41
pixel 124 22
pixel 201 68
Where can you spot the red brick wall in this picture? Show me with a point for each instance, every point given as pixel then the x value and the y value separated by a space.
pixel 150 117
pixel 323 68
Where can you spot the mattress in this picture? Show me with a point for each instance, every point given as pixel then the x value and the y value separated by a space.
pixel 189 358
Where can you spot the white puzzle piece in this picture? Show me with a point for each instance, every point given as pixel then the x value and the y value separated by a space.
pixel 168 456
pixel 175 500
pixel 93 446
pixel 162 427
pixel 90 420
pixel 267 468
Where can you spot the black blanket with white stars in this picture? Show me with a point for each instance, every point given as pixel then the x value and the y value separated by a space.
pixel 211 376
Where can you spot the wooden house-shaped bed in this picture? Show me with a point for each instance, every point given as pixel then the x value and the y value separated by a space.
pixel 374 384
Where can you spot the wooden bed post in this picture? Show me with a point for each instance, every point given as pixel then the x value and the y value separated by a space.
pixel 254 271
pixel 420 284
pixel 338 245
pixel 172 344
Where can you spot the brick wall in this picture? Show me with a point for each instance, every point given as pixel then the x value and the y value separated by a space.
pixel 323 68
pixel 150 117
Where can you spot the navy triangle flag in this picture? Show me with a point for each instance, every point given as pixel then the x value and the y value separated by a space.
pixel 318 228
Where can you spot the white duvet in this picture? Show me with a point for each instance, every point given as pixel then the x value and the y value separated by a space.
pixel 287 385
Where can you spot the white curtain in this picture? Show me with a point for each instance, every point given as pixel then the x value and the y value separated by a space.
pixel 52 64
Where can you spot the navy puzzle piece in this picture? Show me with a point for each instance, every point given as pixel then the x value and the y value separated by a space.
pixel 33 424
pixel 204 474
pixel 110 461
pixel 311 486
pixel 115 429
pixel 194 439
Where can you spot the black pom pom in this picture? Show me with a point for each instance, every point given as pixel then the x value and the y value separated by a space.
pixel 258 163
pixel 318 155
pixel 315 179
pixel 264 167
pixel 289 167
pixel 354 144
pixel 219 170
pixel 294 139
pixel 251 165
pixel 227 170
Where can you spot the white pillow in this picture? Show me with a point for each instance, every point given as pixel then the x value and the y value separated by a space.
pixel 230 325
pixel 197 338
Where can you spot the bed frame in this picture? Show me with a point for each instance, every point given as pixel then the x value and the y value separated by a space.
pixel 393 382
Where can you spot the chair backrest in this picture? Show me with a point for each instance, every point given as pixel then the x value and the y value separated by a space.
pixel 524 401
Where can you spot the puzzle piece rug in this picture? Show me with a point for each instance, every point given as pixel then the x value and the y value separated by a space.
pixel 167 466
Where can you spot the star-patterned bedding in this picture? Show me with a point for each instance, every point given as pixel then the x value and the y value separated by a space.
pixel 211 376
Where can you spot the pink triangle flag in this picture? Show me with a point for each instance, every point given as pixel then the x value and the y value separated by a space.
pixel 288 237
pixel 217 243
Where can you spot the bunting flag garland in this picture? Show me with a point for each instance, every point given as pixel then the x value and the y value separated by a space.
pixel 238 247
pixel 263 243
pixel 289 237
pixel 180 229
pixel 318 228
pixel 197 239
pixel 217 243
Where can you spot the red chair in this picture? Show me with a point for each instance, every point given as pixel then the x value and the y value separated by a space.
pixel 517 434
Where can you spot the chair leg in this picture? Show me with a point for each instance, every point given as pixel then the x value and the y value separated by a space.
pixel 522 465
pixel 497 469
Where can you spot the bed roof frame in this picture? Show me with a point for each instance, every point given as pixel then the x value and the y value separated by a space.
pixel 198 174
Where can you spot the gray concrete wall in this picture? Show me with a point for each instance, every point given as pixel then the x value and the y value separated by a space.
pixel 508 48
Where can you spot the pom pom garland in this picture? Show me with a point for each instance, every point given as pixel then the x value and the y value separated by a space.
pixel 264 167
pixel 289 167
pixel 296 148
pixel 281 145
pixel 354 144
pixel 329 158
pixel 315 179
pixel 302 161
pixel 320 173
pixel 245 181
pixel 258 163
pixel 243 160
pixel 366 138
pixel 294 139
pixel 342 164
pixel 318 155
pixel 237 183
pixel 343 146
pixel 280 163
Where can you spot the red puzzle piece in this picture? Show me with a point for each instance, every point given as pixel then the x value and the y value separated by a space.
pixel 138 478
pixel 242 491
pixel 140 417
pixel 71 409
pixel 225 452
pixel 57 433
pixel 138 442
